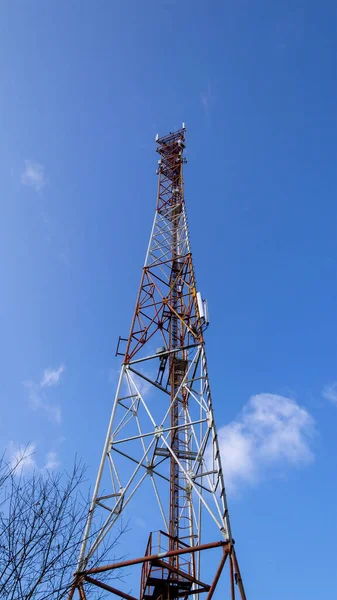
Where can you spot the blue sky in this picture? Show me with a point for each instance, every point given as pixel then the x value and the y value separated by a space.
pixel 85 86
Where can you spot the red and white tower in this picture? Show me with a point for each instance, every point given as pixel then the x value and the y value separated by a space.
pixel 171 439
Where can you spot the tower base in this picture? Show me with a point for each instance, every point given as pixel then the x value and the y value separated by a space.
pixel 166 574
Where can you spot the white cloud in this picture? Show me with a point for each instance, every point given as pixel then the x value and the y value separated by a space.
pixel 51 376
pixel 52 461
pixel 33 175
pixel 134 382
pixel 37 394
pixel 144 387
pixel 270 433
pixel 22 458
pixel 206 99
pixel 37 401
pixel 330 392
pixel 140 522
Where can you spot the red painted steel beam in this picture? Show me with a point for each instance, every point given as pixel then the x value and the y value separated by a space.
pixel 81 592
pixel 72 590
pixel 231 572
pixel 238 577
pixel 217 576
pixel 173 569
pixel 109 588
pixel 136 561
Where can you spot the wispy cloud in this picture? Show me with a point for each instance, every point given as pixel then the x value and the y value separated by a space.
pixel 38 401
pixel 51 376
pixel 37 393
pixel 143 386
pixel 140 522
pixel 329 392
pixel 64 257
pixel 52 461
pixel 22 459
pixel 33 175
pixel 271 432
pixel 206 99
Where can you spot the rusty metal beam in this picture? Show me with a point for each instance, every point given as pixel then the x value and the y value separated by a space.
pixel 81 592
pixel 217 576
pixel 231 573
pixel 108 588
pixel 191 592
pixel 73 589
pixel 238 577
pixel 136 561
pixel 173 569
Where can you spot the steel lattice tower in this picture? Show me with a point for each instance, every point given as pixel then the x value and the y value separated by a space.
pixel 170 439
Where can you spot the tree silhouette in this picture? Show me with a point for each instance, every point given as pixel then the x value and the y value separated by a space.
pixel 42 517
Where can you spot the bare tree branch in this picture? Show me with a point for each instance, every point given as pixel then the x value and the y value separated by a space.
pixel 42 517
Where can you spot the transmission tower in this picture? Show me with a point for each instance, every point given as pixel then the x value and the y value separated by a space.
pixel 162 426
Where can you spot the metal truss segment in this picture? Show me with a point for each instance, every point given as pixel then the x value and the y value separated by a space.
pixel 162 427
